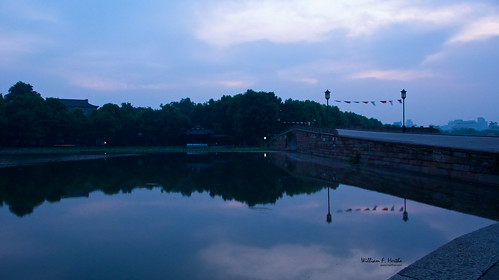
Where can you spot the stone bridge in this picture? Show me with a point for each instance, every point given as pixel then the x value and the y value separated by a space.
pixel 470 158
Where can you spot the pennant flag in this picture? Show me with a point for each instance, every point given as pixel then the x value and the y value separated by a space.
pixel 391 102
pixel 374 104
pixel 356 102
pixel 337 100
pixel 365 102
pixel 383 102
pixel 400 101
pixel 347 102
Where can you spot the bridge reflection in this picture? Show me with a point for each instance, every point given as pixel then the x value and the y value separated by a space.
pixel 475 199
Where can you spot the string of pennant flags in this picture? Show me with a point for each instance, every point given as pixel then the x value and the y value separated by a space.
pixel 369 102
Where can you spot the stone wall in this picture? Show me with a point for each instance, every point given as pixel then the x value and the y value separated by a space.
pixel 448 162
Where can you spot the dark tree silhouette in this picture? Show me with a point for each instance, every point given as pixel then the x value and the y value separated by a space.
pixel 26 119
pixel 19 89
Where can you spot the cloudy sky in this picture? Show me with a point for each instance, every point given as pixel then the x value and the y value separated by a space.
pixel 444 53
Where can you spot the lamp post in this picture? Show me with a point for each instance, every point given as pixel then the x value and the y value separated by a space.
pixel 327 94
pixel 403 94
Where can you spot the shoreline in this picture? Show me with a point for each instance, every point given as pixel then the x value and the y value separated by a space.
pixel 13 157
pixel 127 150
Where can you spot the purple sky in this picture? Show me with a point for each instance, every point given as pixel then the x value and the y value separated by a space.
pixel 444 53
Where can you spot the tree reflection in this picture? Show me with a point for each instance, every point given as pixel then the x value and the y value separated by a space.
pixel 247 178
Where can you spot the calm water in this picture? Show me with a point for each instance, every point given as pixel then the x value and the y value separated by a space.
pixel 225 216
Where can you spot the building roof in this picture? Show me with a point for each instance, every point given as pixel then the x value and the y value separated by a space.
pixel 199 131
pixel 78 103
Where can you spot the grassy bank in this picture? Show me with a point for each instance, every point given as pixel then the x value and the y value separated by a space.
pixel 121 150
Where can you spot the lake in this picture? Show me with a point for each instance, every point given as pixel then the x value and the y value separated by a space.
pixel 226 216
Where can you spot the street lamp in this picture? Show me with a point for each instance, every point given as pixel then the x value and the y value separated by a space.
pixel 327 94
pixel 403 94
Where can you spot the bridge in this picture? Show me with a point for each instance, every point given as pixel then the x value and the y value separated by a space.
pixel 470 158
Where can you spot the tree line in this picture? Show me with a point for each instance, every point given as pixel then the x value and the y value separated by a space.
pixel 24 188
pixel 28 119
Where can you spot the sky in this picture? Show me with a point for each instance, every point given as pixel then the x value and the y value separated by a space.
pixel 444 53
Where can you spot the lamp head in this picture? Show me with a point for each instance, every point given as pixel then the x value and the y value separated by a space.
pixel 403 93
pixel 327 94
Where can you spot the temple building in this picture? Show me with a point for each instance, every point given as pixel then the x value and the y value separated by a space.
pixel 81 104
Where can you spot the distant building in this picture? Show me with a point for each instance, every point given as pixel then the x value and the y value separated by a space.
pixel 81 104
pixel 198 137
pixel 482 124
pixel 479 124
pixel 408 123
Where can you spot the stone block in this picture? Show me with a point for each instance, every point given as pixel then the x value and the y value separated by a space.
pixel 461 167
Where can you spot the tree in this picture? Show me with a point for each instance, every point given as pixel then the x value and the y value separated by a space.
pixel 59 122
pixel 3 122
pixel 185 106
pixel 80 130
pixel 254 115
pixel 107 123
pixel 19 89
pixel 302 111
pixel 26 119
pixel 172 124
pixel 147 122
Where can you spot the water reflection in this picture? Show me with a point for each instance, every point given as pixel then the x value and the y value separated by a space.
pixel 226 216
pixel 405 216
pixel 403 209
pixel 478 200
pixel 328 216
pixel 237 261
pixel 250 180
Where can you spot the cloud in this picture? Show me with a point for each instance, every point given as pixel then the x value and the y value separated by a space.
pixel 13 45
pixel 396 74
pixel 481 29
pixel 289 262
pixel 434 57
pixel 30 11
pixel 229 23
pixel 307 80
pixel 100 83
pixel 227 80
pixel 91 208
pixel 233 204
pixel 226 83
pixel 231 83
pixel 312 73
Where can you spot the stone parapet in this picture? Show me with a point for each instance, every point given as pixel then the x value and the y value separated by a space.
pixel 441 161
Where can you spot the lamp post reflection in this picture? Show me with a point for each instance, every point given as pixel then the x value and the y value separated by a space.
pixel 405 216
pixel 328 216
pixel 334 184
